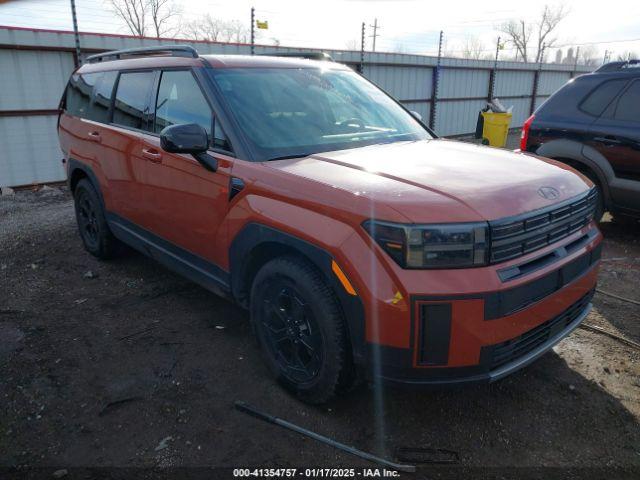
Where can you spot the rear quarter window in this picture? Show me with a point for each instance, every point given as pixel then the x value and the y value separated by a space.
pixel 101 98
pixel 628 107
pixel 599 99
pixel 79 92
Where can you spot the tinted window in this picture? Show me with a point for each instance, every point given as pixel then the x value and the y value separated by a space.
pixel 131 106
pixel 180 100
pixel 101 100
pixel 79 93
pixel 628 108
pixel 598 99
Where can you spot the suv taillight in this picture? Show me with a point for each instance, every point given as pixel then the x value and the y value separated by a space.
pixel 525 133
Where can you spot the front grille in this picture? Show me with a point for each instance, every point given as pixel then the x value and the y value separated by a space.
pixel 532 231
pixel 506 352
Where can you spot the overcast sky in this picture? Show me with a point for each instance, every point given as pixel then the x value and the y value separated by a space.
pixel 406 25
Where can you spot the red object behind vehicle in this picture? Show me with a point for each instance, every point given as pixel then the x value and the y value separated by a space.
pixel 525 133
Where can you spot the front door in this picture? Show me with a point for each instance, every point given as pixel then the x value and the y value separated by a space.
pixel 187 204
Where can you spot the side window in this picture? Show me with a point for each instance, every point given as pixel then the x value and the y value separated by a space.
pixel 101 99
pixel 180 100
pixel 131 107
pixel 595 103
pixel 79 93
pixel 628 109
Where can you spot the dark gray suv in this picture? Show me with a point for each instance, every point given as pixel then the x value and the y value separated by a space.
pixel 593 124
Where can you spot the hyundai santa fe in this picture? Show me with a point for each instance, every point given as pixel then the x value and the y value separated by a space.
pixel 363 246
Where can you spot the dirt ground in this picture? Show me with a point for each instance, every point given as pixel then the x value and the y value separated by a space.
pixel 124 364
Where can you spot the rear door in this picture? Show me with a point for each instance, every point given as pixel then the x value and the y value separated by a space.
pixel 187 204
pixel 124 161
pixel 616 135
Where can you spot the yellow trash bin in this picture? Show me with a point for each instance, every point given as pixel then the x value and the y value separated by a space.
pixel 495 128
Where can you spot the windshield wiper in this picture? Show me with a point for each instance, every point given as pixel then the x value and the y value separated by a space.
pixel 289 157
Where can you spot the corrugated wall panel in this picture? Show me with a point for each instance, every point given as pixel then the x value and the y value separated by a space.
pixel 458 117
pixel 30 152
pixel 512 83
pixel 461 83
pixel 405 83
pixel 549 82
pixel 33 80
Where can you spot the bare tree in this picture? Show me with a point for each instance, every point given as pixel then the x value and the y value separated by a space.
pixel 531 39
pixel 206 28
pixel 134 14
pixel 141 16
pixel 589 55
pixel 352 44
pixel 235 31
pixel 626 56
pixel 473 49
pixel 162 12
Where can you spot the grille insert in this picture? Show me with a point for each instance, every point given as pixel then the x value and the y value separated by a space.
pixel 506 352
pixel 513 238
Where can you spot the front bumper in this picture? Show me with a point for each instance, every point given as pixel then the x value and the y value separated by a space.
pixel 480 338
pixel 497 361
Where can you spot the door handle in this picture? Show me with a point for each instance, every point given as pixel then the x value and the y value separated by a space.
pixel 609 140
pixel 152 155
pixel 94 136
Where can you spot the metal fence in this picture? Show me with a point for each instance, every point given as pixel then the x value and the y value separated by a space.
pixel 35 66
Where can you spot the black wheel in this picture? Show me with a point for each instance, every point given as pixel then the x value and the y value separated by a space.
pixel 92 225
pixel 300 329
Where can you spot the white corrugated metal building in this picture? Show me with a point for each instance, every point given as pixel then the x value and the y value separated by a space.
pixel 35 66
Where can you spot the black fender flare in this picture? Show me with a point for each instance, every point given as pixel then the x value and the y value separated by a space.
pixel 75 165
pixel 254 235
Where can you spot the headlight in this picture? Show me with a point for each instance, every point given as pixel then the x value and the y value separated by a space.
pixel 452 245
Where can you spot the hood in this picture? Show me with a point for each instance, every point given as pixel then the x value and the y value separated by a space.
pixel 443 180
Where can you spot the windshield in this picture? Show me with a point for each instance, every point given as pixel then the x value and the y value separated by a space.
pixel 290 112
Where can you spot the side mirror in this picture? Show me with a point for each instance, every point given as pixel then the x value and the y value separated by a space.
pixel 416 114
pixel 188 138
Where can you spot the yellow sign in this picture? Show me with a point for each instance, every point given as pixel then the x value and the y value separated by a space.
pixel 263 25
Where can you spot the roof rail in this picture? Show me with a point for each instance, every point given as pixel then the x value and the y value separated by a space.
pixel 172 50
pixel 617 66
pixel 308 55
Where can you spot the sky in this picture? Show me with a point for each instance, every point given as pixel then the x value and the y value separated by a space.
pixel 407 26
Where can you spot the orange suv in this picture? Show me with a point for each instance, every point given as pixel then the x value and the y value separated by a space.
pixel 362 245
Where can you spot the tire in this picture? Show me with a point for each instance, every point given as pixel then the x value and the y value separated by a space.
pixel 92 225
pixel 300 328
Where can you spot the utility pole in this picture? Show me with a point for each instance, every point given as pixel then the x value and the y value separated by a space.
pixel 361 68
pixel 575 65
pixel 253 30
pixel 606 54
pixel 375 33
pixel 492 74
pixel 536 82
pixel 78 59
pixel 435 85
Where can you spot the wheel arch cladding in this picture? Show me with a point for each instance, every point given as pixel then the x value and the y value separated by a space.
pixel 581 157
pixel 256 244
pixel 78 171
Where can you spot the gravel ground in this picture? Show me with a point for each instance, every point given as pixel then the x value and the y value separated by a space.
pixel 124 364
